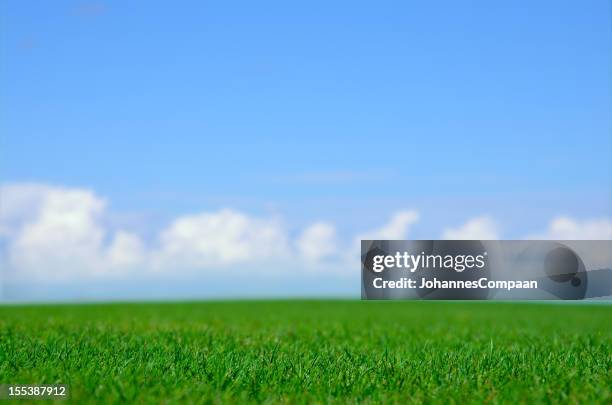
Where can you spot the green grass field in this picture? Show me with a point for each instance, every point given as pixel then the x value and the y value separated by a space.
pixel 312 351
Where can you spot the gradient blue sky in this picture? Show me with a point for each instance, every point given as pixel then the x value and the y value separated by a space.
pixel 339 111
pixel 244 103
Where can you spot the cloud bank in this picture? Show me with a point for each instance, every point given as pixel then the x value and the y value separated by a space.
pixel 54 234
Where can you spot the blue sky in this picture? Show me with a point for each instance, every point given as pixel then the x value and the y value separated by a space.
pixel 342 113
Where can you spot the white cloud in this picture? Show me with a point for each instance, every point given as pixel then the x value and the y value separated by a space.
pixel 566 228
pixel 18 203
pixel 317 242
pixel 480 228
pixel 57 233
pixel 61 234
pixel 397 227
pixel 126 250
pixel 220 238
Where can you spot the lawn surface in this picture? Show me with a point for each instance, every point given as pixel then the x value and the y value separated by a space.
pixel 312 351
